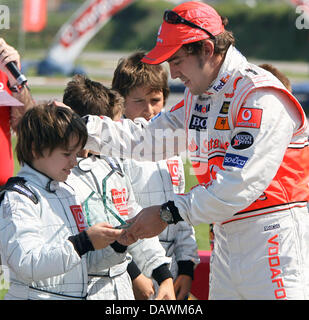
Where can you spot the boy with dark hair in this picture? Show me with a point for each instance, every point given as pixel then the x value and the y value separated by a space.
pixel 44 240
pixel 106 195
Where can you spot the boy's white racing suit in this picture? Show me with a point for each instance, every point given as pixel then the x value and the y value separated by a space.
pixel 246 139
pixel 154 183
pixel 106 195
pixel 35 225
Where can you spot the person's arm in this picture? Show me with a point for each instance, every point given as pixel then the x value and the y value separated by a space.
pixel 24 96
pixel 164 279
pixel 236 187
pixel 143 287
pixel 33 256
pixel 186 254
pixel 248 171
pixel 141 140
pixel 21 93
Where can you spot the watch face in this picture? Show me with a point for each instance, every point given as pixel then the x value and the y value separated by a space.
pixel 166 215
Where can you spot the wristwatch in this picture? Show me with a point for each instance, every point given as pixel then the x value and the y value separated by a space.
pixel 166 214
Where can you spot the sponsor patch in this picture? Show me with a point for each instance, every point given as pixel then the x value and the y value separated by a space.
pixel 193 146
pixel 242 140
pixel 221 83
pixel 231 94
pixel 222 123
pixel 198 123
pixel 225 107
pixel 79 218
pixel 234 160
pixel 249 118
pixel 120 201
pixel 173 168
pixel 202 108
pixel 272 227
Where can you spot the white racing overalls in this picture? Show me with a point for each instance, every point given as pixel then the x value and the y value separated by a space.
pixel 34 245
pixel 106 196
pixel 154 183
pixel 246 139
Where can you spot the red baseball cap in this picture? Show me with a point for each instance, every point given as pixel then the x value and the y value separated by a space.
pixel 172 36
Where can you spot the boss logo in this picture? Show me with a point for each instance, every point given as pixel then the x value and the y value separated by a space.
pixel 198 123
pixel 242 140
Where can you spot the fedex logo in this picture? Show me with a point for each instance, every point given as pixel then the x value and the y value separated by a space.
pixel 222 83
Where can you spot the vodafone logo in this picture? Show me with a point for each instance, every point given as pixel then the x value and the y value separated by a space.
pixel 1 86
pixel 246 115
pixel 249 118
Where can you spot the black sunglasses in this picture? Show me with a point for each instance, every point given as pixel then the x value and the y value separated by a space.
pixel 174 18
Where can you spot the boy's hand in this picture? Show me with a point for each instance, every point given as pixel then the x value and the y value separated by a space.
pixel 102 234
pixel 182 286
pixel 166 290
pixel 143 287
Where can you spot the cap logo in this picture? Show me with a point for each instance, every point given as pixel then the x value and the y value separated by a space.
pixel 189 39
pixel 159 32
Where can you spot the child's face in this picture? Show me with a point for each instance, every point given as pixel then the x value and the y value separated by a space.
pixel 141 102
pixel 59 163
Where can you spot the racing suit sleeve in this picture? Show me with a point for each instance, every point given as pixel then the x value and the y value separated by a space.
pixel 236 187
pixel 148 254
pixel 26 251
pixel 159 139
pixel 186 253
pixel 185 249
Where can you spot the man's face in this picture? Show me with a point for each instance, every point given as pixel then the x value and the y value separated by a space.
pixel 142 102
pixel 59 163
pixel 193 70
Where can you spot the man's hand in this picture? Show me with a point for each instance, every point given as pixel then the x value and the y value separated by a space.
pixel 103 234
pixel 146 224
pixel 8 54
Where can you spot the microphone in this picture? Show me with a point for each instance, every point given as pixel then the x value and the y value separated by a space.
pixel 20 78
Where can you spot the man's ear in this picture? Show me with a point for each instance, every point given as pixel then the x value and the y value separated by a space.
pixel 208 49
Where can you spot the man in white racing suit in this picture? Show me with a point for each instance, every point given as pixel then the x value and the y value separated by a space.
pixel 106 195
pixel 245 133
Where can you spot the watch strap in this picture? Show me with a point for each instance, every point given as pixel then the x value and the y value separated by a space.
pixel 174 211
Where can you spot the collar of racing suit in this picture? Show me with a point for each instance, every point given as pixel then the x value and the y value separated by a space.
pixel 233 59
pixel 38 178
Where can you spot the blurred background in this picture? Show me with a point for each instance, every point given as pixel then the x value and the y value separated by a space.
pixel 272 31
pixel 58 38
